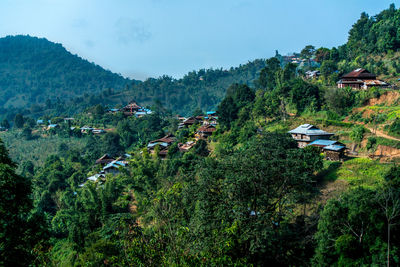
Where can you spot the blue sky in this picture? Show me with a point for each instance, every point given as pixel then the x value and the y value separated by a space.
pixel 149 38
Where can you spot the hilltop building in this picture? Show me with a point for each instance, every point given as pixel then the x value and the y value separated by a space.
pixel 360 79
pixel 307 133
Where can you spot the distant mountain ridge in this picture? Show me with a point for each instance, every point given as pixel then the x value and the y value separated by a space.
pixel 41 77
pixel 33 70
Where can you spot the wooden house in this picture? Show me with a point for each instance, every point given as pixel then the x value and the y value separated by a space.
pixel 186 146
pixel 334 152
pixel 163 143
pixel 205 131
pixel 360 79
pixel 114 166
pixel 105 159
pixel 332 149
pixel 131 109
pixel 307 133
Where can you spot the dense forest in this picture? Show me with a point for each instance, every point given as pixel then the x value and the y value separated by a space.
pixel 244 195
pixel 33 70
pixel 40 77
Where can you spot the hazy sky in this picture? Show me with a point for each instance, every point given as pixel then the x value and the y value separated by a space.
pixel 142 38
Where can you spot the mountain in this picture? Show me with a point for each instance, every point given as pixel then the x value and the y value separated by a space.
pixel 202 89
pixel 33 70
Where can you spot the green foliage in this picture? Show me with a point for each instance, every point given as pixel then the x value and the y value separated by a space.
pixel 357 133
pixel 371 143
pixel 394 128
pixel 19 121
pixel 352 231
pixel 19 229
pixel 339 100
pixel 36 70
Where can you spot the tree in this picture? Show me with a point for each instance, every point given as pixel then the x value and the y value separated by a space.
pixel 328 67
pixel 307 53
pixel 19 121
pixel 351 231
pixel 243 199
pixel 389 201
pixel 357 133
pixel 322 54
pixel 15 206
pixel 267 79
pixel 111 144
pixel 227 111
pixel 5 124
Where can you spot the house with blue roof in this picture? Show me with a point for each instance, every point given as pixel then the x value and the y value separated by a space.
pixel 307 133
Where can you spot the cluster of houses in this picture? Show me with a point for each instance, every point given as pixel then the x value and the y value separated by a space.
pixel 110 165
pixel 207 124
pixel 309 135
pixel 210 118
pixel 87 129
pixel 132 109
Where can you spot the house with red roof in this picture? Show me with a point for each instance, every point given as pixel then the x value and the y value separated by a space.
pixel 360 79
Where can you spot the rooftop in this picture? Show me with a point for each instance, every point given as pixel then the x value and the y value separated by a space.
pixel 334 148
pixel 309 129
pixel 320 142
pixel 360 74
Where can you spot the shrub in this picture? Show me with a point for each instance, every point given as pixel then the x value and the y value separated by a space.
pixel 357 133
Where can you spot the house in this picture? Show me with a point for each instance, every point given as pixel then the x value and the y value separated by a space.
pixel 96 177
pixel 86 129
pixel 211 113
pixel 39 121
pixel 98 131
pixel 186 146
pixel 163 143
pixel 105 159
pixel 52 126
pixel 334 152
pixel 114 166
pixel 321 143
pixel 360 79
pixel 307 133
pixel 312 74
pixel 131 108
pixel 205 131
pixel 113 110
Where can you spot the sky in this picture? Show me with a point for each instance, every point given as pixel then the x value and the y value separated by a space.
pixel 149 38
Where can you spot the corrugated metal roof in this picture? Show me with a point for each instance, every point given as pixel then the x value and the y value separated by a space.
pixel 334 147
pixel 360 73
pixel 309 129
pixel 321 142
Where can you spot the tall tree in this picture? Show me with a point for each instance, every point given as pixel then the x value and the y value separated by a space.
pixel 19 121
pixel 15 206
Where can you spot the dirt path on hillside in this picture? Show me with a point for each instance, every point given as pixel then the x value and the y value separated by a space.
pixel 382 134
pixel 378 132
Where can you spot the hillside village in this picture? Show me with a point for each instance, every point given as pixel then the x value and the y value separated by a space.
pixel 285 161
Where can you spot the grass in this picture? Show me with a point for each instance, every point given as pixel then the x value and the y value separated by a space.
pixel 36 150
pixel 357 172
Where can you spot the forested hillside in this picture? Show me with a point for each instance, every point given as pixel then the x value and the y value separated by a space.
pixel 202 89
pixel 33 70
pixel 40 77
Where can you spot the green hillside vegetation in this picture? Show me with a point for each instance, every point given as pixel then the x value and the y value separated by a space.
pixel 40 77
pixel 244 196
pixel 33 70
